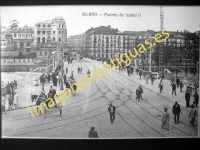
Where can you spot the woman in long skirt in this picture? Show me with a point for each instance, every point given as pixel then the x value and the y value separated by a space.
pixel 165 120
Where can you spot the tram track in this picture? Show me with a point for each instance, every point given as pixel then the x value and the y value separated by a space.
pixel 109 80
pixel 103 107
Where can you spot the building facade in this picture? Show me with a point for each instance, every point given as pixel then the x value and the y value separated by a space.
pixel 105 42
pixel 23 39
pixel 76 43
pixel 55 27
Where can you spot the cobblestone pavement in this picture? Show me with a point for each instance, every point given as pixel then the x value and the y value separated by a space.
pixel 90 108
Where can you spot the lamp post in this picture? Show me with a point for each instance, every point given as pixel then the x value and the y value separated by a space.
pixel 61 83
pixel 48 54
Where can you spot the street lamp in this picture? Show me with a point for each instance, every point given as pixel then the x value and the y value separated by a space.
pixel 61 83
pixel 48 54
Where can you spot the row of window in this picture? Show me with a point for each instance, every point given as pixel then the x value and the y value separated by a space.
pixel 46 32
pixel 22 44
pixel 44 53
pixel 42 40
pixel 48 25
pixel 3 44
pixel 14 60
pixel 102 36
pixel 44 25
pixel 20 35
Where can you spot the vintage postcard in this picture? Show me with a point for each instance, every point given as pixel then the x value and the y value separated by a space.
pixel 100 71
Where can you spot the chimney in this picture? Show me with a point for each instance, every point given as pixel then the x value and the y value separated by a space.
pixel 109 26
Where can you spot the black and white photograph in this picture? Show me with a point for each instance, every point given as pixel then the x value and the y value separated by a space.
pixel 100 71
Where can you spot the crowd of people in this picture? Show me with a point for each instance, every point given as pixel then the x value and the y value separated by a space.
pixel 175 84
pixel 69 79
pixel 10 97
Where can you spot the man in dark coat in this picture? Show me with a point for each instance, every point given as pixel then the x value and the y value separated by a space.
pixel 132 70
pixel 48 77
pixel 140 74
pixel 173 88
pixel 196 99
pixel 112 110
pixel 176 110
pixel 137 70
pixel 138 94
pixel 177 82
pixel 93 133
pixel 187 99
pixel 65 78
pixel 181 86
pixel 67 85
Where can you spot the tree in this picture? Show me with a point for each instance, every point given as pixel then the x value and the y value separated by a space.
pixel 13 24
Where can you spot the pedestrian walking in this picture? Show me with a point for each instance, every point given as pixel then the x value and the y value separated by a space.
pixel 81 70
pixel 165 120
pixel 72 75
pixel 112 110
pixel 48 77
pixel 165 71
pixel 93 133
pixel 128 71
pixel 137 70
pixel 152 79
pixel 16 100
pixel 12 87
pixel 140 74
pixel 78 69
pixel 196 99
pixel 181 86
pixel 141 91
pixel 132 70
pixel 192 114
pixel 172 80
pixel 88 73
pixel 177 82
pixel 15 84
pixel 147 79
pixel 3 105
pixel 173 88
pixel 187 99
pixel 160 86
pixel 176 110
pixel 66 70
pixel 138 94
pixel 10 100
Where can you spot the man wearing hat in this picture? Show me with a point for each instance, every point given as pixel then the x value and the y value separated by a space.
pixel 176 110
pixel 187 99
pixel 181 86
pixel 92 133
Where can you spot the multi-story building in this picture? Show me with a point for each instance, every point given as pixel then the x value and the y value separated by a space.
pixel 55 27
pixel 5 39
pixel 138 37
pixel 23 39
pixel 76 42
pixel 106 42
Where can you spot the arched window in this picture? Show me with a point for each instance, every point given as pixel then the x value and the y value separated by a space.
pixel 38 39
pixel 43 40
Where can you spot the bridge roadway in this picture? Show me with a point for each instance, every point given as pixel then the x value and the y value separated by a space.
pixel 90 108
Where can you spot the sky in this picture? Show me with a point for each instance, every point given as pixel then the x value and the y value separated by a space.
pixel 175 17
